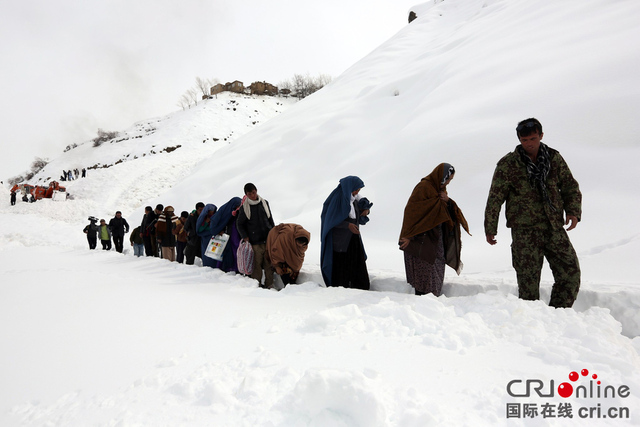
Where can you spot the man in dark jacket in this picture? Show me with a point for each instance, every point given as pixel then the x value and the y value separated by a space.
pixel 13 198
pixel 145 233
pixel 193 240
pixel 136 242
pixel 92 231
pixel 254 222
pixel 540 192
pixel 119 227
pixel 181 236
pixel 148 228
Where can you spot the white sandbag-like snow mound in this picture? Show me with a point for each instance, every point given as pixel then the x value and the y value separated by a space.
pixel 148 342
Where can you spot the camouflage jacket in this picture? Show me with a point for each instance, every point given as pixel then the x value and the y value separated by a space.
pixel 525 205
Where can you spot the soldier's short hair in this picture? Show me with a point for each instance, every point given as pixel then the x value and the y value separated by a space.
pixel 528 126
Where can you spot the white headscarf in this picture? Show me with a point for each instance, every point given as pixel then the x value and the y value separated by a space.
pixel 248 203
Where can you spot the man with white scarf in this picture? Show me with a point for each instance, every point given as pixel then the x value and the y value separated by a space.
pixel 253 223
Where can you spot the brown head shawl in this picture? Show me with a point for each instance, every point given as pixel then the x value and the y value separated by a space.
pixel 283 248
pixel 425 210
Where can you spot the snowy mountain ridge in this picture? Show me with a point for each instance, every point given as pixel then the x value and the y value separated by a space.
pixel 160 151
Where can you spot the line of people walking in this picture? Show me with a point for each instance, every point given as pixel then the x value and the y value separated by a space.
pixel 247 223
pixel 534 181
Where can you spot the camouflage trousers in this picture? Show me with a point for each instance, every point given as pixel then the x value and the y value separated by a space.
pixel 529 247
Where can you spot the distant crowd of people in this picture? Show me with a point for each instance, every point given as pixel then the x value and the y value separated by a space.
pixel 73 174
pixel 534 181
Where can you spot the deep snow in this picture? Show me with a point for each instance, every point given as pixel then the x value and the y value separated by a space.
pixel 94 338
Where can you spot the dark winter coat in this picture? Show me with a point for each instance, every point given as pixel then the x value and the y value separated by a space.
pixel 257 228
pixel 119 227
pixel 190 228
pixel 135 236
pixel 148 225
pixel 92 230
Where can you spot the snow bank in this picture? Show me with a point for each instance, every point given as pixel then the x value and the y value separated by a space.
pixel 148 342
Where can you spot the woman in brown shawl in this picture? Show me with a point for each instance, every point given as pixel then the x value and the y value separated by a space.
pixel 430 236
pixel 286 245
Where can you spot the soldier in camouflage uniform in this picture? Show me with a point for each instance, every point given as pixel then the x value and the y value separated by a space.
pixel 539 189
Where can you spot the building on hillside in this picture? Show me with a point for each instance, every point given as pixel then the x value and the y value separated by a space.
pixel 256 88
pixel 217 89
pixel 263 88
pixel 235 86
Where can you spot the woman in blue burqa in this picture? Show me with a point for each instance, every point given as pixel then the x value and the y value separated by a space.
pixel 342 256
pixel 224 221
pixel 205 231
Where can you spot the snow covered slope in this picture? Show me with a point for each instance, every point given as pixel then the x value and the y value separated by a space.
pixel 147 159
pixel 451 86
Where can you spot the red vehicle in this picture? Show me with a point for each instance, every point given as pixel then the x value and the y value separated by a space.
pixel 39 191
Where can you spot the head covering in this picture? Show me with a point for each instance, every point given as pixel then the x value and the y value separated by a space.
pixel 338 205
pixel 425 209
pixel 207 232
pixel 283 248
pixel 247 203
pixel 236 210
pixel 335 210
pixel 223 215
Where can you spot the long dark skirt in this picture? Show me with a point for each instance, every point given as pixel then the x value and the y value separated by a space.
pixel 349 268
pixel 424 276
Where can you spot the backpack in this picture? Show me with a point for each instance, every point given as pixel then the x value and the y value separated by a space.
pixel 245 258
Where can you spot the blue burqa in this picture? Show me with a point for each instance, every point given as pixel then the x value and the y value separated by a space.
pixel 335 210
pixel 219 222
pixel 205 231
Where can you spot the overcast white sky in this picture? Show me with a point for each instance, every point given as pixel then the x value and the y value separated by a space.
pixel 71 67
